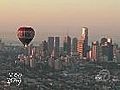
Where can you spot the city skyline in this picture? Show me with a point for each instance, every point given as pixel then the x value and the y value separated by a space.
pixel 11 37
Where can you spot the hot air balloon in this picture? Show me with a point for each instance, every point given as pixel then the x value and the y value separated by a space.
pixel 25 35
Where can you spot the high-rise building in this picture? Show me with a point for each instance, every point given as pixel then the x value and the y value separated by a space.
pixel 50 45
pixel 57 46
pixel 53 46
pixel 95 51
pixel 2 45
pixel 30 47
pixel 67 45
pixel 82 46
pixel 32 61
pixel 107 48
pixel 117 55
pixel 44 49
pixel 115 52
pixel 74 45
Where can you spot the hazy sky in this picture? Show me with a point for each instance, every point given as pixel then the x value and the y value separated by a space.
pixel 59 17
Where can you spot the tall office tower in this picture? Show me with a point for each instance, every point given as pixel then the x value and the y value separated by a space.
pixel 30 47
pixel 82 46
pixel 44 49
pixel 57 46
pixel 67 45
pixel 32 62
pixel 107 48
pixel 2 45
pixel 74 45
pixel 95 51
pixel 50 45
pixel 115 53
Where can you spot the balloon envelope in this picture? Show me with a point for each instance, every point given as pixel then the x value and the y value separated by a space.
pixel 25 35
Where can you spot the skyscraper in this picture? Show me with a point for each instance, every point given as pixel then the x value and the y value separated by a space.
pixel 82 46
pixel 44 49
pixel 74 45
pixel 50 45
pixel 107 48
pixel 95 50
pixel 57 46
pixel 2 45
pixel 67 45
